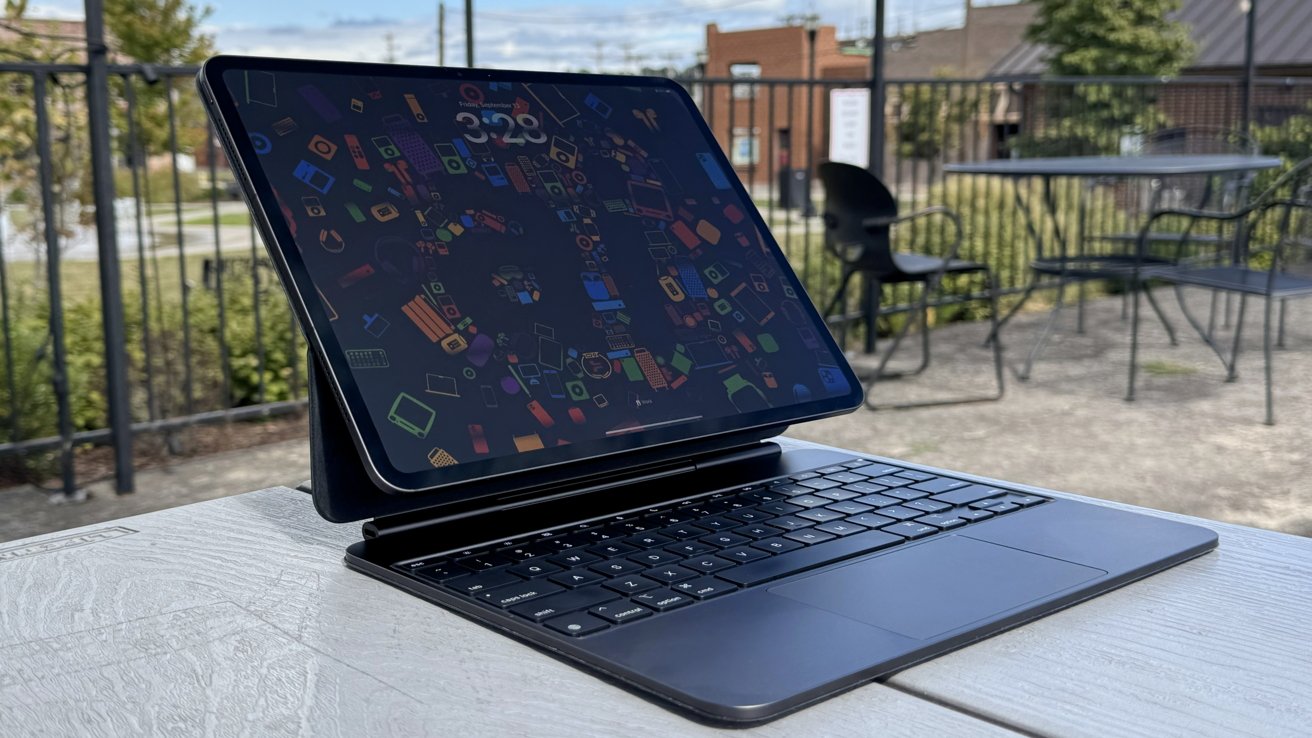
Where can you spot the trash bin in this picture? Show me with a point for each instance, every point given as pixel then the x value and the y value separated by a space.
pixel 795 190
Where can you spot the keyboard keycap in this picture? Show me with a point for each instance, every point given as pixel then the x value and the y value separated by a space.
pixel 442 572
pixel 946 521
pixel 573 557
pixel 779 508
pixel 576 578
pixel 919 476
pixel 972 516
pixel 534 568
pixel 484 562
pixel 662 600
pixel 844 477
pixel 578 624
pixel 808 501
pixel 607 550
pixel 906 494
pixel 760 495
pixel 849 507
pixel 716 522
pixel 1023 500
pixel 776 545
pixel 878 500
pixel 789 490
pixel 929 506
pixel 808 558
pixel 827 470
pixel 1003 508
pixel 472 584
pixel 682 532
pixel 615 567
pixel 900 513
pixel 558 604
pixel 690 548
pixel 724 540
pixel 803 476
pixel 838 493
pixel 940 485
pixel 840 528
pixel 870 520
pixel 704 588
pixel 648 540
pixel 864 488
pixel 809 536
pixel 821 515
pixel 706 564
pixel 514 594
pixel 967 495
pixel 909 529
pixel 818 484
pixel 748 516
pixel 654 557
pixel 892 481
pixel 632 584
pixel 669 574
pixel 876 470
pixel 742 554
pixel 856 463
pixel 620 612
pixel 792 522
pixel 758 531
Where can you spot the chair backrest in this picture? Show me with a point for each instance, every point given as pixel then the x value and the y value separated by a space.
pixel 1227 193
pixel 852 195
pixel 1283 225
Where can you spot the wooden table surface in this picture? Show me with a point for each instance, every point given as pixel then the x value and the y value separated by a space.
pixel 237 617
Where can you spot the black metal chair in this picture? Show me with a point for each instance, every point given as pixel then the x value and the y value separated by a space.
pixel 1275 230
pixel 859 216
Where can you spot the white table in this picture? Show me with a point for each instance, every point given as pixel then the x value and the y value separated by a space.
pixel 237 617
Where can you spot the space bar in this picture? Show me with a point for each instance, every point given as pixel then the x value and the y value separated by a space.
pixel 794 561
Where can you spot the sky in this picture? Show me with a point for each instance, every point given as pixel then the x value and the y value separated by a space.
pixel 567 35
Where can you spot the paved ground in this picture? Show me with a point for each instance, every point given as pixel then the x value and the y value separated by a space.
pixel 1191 443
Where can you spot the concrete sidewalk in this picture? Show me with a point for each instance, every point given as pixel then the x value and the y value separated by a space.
pixel 1191 443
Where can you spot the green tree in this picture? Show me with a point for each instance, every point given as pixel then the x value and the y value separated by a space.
pixel 1103 38
pixel 932 116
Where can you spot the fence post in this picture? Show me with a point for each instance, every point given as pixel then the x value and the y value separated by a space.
pixel 876 142
pixel 111 295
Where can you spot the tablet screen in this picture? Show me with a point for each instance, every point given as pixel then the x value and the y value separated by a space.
pixel 526 270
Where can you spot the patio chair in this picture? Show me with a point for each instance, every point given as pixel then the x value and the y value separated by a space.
pixel 859 216
pixel 1276 264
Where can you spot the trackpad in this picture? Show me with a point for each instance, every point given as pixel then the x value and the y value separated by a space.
pixel 938 586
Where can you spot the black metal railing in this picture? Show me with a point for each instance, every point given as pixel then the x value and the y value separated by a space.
pixel 209 335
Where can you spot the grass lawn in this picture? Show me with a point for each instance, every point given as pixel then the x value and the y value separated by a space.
pixel 239 218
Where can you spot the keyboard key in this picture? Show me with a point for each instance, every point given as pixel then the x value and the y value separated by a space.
pixel 442 572
pixel 669 574
pixel 919 476
pixel 808 558
pixel 821 515
pixel 472 584
pixel 1023 500
pixel 654 557
pixel 849 507
pixel 910 530
pixel 971 516
pixel 808 501
pixel 865 488
pixel 946 521
pixel 792 522
pixel 878 500
pixel 534 568
pixel 620 612
pixel 523 552
pixel 760 495
pixel 484 562
pixel 573 557
pixel 876 470
pixel 790 489
pixel 856 463
pixel 838 493
pixel 724 540
pixel 607 550
pixel 967 495
pixel 704 588
pixel 777 545
pixel 929 506
pixel 748 516
pixel 845 477
pixel 662 600
pixel 716 522
pixel 514 594
pixel 681 532
pixel 900 513
pixel 940 485
pixel 706 564
pixel 840 528
pixel 632 584
pixel 578 624
pixel 891 481
pixel 906 494
pixel 690 548
pixel 1003 508
pixel 558 604
pixel 647 540
pixel 803 476
pixel 809 536
pixel 870 520
pixel 576 578
pixel 779 508
pixel 615 567
pixel 821 483
pixel 827 470
pixel 742 554
pixel 758 531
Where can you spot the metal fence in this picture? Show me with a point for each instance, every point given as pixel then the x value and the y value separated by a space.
pixel 207 333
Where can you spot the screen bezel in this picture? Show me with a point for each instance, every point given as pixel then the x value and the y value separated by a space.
pixel 293 274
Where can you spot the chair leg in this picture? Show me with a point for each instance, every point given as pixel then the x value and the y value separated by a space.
pixel 1211 312
pixel 1266 359
pixel 1170 330
pixel 1134 342
pixel 1025 296
pixel 997 339
pixel 1024 374
pixel 924 330
pixel 870 298
pixel 1280 332
pixel 837 302
pixel 1079 311
pixel 1233 374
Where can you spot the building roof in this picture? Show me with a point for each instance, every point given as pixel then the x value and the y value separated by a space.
pixel 1217 28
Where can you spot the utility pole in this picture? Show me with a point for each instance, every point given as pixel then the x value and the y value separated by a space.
pixel 441 34
pixel 389 48
pixel 876 133
pixel 1250 62
pixel 111 297
pixel 469 33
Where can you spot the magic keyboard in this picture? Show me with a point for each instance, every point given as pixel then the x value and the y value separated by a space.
pixel 605 573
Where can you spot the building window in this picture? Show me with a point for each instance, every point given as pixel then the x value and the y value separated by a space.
pixel 746 147
pixel 749 70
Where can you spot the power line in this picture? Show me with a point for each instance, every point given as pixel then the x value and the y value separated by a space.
pixel 650 15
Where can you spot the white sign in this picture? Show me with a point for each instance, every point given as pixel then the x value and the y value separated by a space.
pixel 849 125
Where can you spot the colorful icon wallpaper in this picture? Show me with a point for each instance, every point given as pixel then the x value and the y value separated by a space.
pixel 515 266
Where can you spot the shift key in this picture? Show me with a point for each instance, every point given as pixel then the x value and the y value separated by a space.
pixel 792 562
pixel 565 602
